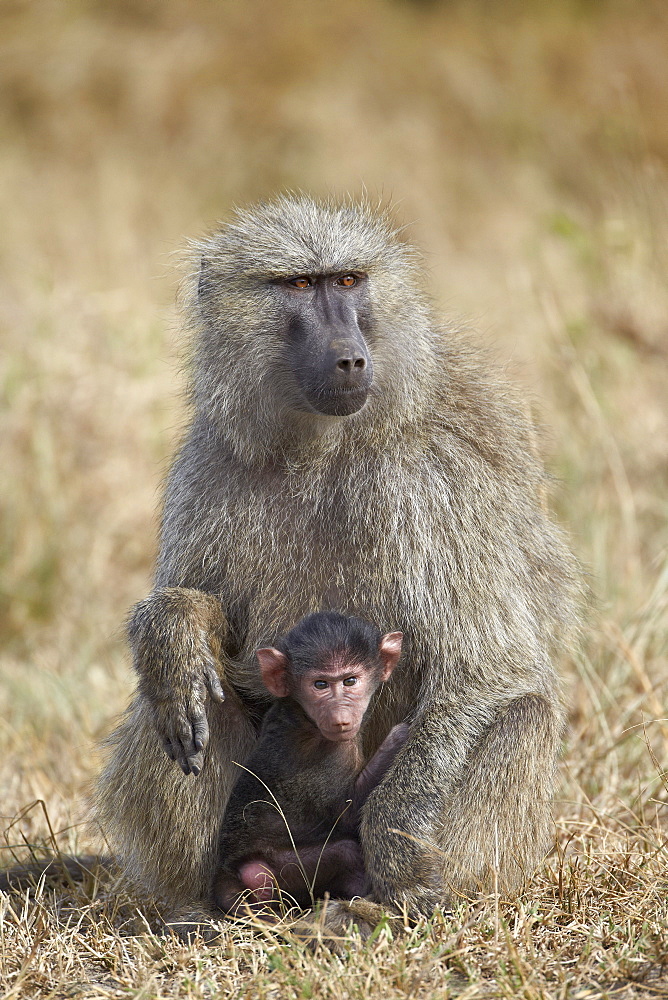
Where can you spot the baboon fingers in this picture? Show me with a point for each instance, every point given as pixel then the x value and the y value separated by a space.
pixel 212 681
pixel 183 749
pixel 189 747
pixel 183 731
pixel 189 763
pixel 200 733
pixel 180 758
pixel 196 762
pixel 172 745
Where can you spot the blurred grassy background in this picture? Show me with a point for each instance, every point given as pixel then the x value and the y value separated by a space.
pixel 527 145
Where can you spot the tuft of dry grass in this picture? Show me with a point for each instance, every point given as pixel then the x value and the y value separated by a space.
pixel 528 147
pixel 592 925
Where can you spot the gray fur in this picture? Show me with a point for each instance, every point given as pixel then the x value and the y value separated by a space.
pixel 421 512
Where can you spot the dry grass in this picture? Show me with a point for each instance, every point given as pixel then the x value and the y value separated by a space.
pixel 530 145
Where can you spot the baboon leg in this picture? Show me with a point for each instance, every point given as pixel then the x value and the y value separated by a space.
pixel 496 816
pixel 336 868
pixel 498 825
pixel 164 824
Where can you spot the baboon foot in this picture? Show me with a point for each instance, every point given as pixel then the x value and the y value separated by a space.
pixel 417 902
pixel 329 926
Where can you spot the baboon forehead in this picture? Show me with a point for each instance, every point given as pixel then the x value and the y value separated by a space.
pixel 337 663
pixel 302 236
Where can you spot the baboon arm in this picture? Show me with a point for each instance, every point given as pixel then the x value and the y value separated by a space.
pixel 440 823
pixel 176 635
pixel 377 767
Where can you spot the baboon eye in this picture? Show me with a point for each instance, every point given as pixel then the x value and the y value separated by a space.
pixel 347 280
pixel 320 685
pixel 301 282
pixel 349 681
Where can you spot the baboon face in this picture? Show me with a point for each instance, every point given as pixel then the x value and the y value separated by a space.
pixel 334 696
pixel 324 320
pixel 291 302
pixel 336 692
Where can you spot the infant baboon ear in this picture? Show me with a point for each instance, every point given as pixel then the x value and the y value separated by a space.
pixel 389 651
pixel 274 667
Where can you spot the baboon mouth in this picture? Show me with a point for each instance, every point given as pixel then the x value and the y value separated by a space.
pixel 339 402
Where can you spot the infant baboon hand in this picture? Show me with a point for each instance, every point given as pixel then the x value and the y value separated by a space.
pixel 181 721
pixel 397 736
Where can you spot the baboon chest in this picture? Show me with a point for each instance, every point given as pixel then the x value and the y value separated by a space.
pixel 302 553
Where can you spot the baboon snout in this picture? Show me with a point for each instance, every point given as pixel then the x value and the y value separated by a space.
pixel 349 362
pixel 337 381
pixel 339 721
pixel 342 730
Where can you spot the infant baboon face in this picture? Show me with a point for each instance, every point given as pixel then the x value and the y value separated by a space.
pixel 335 691
pixel 336 699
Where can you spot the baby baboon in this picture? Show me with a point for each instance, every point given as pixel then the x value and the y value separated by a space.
pixel 346 450
pixel 291 827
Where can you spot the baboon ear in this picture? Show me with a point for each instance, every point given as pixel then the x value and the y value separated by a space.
pixel 274 667
pixel 390 651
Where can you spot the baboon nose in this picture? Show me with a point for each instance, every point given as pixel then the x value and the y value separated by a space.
pixel 349 364
pixel 339 383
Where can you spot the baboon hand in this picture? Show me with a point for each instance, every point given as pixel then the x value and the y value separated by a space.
pixel 176 635
pixel 181 720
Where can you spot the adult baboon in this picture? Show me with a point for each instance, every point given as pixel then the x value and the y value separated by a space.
pixel 346 451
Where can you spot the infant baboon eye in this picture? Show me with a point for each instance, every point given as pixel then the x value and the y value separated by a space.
pixel 320 685
pixel 347 280
pixel 302 282
pixel 349 681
